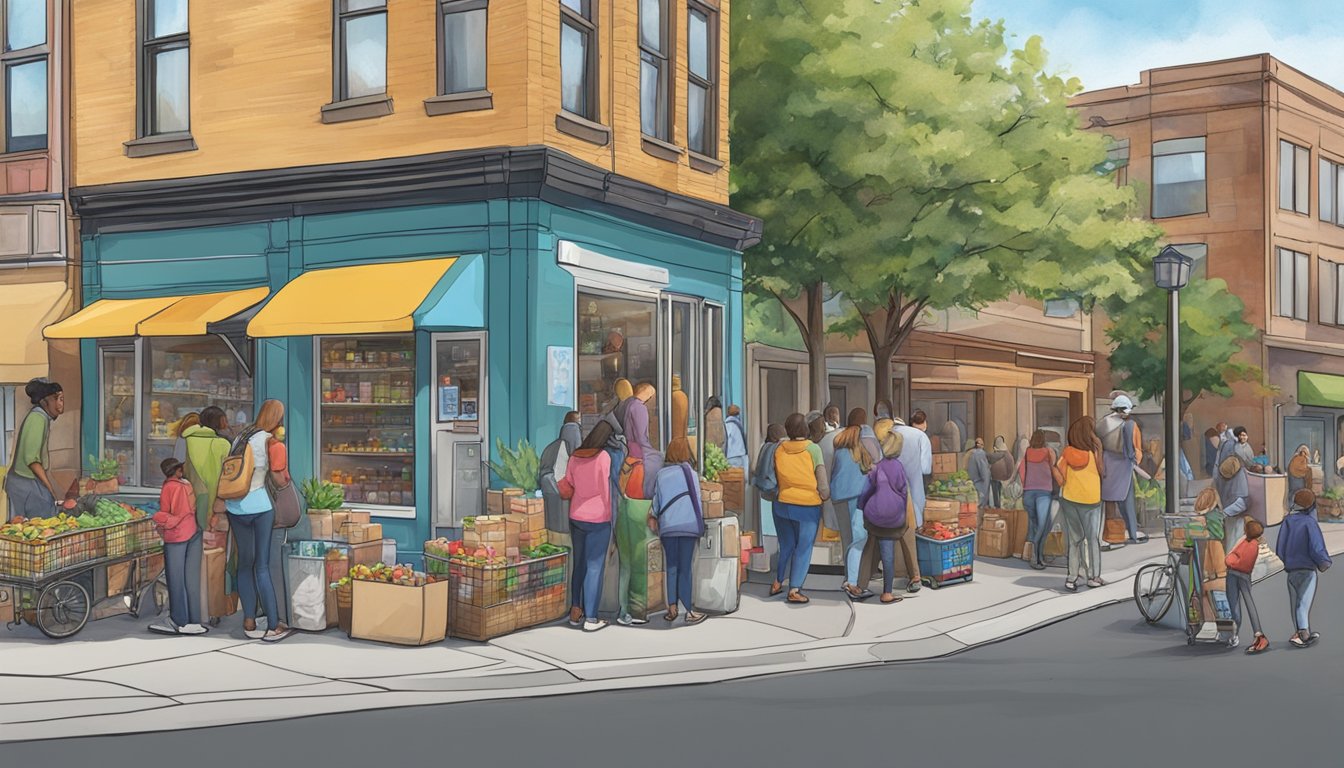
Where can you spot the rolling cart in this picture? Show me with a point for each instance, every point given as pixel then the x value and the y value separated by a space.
pixel 1159 586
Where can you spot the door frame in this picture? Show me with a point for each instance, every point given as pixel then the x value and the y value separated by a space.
pixel 435 426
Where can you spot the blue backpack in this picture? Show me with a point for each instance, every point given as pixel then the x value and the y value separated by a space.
pixel 765 480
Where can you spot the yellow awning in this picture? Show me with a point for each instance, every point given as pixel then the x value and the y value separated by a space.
pixel 108 318
pixel 24 309
pixel 189 316
pixel 369 298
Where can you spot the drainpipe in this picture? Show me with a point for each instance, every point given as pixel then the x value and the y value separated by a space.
pixel 1278 428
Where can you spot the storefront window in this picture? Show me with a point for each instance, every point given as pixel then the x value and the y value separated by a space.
pixel 684 417
pixel 119 411
pixel 367 427
pixel 952 418
pixel 185 375
pixel 715 355
pixel 617 339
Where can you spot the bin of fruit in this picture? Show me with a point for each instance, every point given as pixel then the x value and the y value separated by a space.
pixel 946 553
pixel 35 548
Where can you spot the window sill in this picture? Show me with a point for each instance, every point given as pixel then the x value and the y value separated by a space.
pixel 160 144
pixel 705 164
pixel 581 128
pixel 455 103
pixel 363 108
pixel 24 154
pixel 661 149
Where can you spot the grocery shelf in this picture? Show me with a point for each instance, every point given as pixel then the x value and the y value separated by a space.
pixel 177 392
pixel 118 439
pixel 368 370
pixel 368 405
pixel 366 454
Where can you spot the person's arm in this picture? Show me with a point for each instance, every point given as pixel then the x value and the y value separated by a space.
pixel 926 456
pixel 277 458
pixel 566 483
pixel 819 469
pixel 28 450
pixel 1235 508
pixel 1319 554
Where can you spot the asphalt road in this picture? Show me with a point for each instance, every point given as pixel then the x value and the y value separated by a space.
pixel 1098 690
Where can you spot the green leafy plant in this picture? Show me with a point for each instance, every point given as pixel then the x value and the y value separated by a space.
pixel 320 494
pixel 715 462
pixel 517 468
pixel 104 469
pixel 1334 493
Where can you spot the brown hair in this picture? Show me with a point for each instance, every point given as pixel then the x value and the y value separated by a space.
pixel 597 439
pixel 679 452
pixel 572 417
pixel 775 433
pixel 1083 434
pixel 213 417
pixel 1254 529
pixel 816 429
pixel 187 422
pixel 643 387
pixel 918 417
pixel 1038 439
pixel 848 439
pixel 270 415
pixel 733 410
pixel 795 427
pixel 1206 500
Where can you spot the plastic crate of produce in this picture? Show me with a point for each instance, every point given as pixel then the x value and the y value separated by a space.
pixel 945 560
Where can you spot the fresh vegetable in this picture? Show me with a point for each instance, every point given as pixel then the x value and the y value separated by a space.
pixel 943 531
pixel 405 575
pixel 715 462
pixel 517 468
pixel 320 494
pixel 104 469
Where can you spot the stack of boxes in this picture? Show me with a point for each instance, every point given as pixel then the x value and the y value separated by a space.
pixel 711 500
pixel 492 531
pixel 530 515
pixel 497 502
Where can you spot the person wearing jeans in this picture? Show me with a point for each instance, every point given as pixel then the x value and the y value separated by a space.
pixel 587 487
pixel 1078 473
pixel 886 511
pixel 1037 492
pixel 850 463
pixel 1301 547
pixel 176 521
pixel 252 519
pixel 677 517
pixel 1240 563
pixel 803 487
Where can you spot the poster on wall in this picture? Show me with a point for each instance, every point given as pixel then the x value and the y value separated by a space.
pixel 560 376
pixel 448 403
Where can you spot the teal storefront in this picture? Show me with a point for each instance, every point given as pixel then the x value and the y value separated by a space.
pixel 405 334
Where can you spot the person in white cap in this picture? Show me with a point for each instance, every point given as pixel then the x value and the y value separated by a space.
pixel 1120 455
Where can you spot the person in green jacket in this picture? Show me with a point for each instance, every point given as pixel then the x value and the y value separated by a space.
pixel 206 451
pixel 28 482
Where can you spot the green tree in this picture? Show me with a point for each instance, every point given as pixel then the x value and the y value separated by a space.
pixel 921 164
pixel 1213 331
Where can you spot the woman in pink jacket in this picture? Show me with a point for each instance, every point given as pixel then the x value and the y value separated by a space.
pixel 587 486
pixel 176 521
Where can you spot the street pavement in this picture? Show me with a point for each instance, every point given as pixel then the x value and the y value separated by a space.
pixel 116 679
pixel 1101 689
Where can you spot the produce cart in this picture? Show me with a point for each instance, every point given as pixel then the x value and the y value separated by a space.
pixel 492 598
pixel 55 570
pixel 944 560
pixel 1180 581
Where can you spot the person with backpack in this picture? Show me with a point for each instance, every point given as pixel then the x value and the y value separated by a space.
pixel 1302 549
pixel 1121 442
pixel 587 487
pixel 850 464
pixel 1038 489
pixel 551 467
pixel 1000 470
pixel 766 484
pixel 1079 474
pixel 735 438
pixel 254 453
pixel 885 502
pixel 803 487
pixel 677 517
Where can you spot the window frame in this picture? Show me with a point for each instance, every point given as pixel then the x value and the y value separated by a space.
pixel 339 85
pixel 585 22
pixel 1300 207
pixel 150 47
pixel 1301 271
pixel 1203 152
pixel 1331 308
pixel 448 8
pixel 17 58
pixel 710 151
pixel 661 59
pixel 1330 185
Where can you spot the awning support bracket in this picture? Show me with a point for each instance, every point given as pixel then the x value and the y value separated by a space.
pixel 244 360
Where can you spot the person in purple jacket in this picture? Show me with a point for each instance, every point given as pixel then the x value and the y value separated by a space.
pixel 1302 550
pixel 885 504
pixel 677 517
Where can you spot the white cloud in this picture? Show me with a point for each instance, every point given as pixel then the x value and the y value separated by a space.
pixel 1104 53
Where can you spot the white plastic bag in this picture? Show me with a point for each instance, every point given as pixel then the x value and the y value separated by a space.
pixel 308 604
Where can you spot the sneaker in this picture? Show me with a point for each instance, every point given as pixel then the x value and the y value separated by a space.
pixel 165 628
pixel 627 620
pixel 1094 583
pixel 1141 537
pixel 593 625
pixel 914 587
pixel 192 629
pixel 1038 566
pixel 1261 644
pixel 1233 641
pixel 1313 637
pixel 276 635
pixel 1071 586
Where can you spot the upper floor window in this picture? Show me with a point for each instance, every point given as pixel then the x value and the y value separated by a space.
pixel 1332 297
pixel 361 49
pixel 578 58
pixel 1178 178
pixel 165 59
pixel 462 46
pixel 702 73
pixel 23 29
pixel 1294 177
pixel 1294 284
pixel 655 99
pixel 1332 193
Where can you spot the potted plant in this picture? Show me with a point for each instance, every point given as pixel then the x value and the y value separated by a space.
pixel 1329 502
pixel 103 475
pixel 322 499
pixel 518 469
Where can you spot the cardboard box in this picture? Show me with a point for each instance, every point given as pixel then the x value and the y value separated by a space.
pixel 944 463
pixel 322 524
pixel 941 510
pixel 1269 497
pixel 734 483
pixel 392 613
pixel 362 533
pixel 118 578
pixel 991 540
pixel 497 502
pixel 1214 559
pixel 492 531
pixel 711 491
pixel 526 505
pixel 713 509
pixel 221 603
pixel 529 539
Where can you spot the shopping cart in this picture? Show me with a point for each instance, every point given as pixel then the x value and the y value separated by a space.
pixel 1157 586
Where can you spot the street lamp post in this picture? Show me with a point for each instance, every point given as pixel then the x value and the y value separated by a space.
pixel 1171 272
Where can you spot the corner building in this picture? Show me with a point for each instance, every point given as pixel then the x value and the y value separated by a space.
pixel 424 226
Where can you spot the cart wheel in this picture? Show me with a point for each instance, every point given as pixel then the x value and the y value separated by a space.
pixel 933 583
pixel 63 609
pixel 155 594
pixel 1154 591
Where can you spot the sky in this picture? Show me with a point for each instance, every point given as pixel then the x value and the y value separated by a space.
pixel 1109 42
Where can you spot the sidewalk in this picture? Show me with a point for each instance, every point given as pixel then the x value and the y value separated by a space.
pixel 115 678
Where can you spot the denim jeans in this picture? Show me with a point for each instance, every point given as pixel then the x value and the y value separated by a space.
pixel 996 493
pixel 253 536
pixel 797 535
pixel 1238 589
pixel 590 542
pixel 680 558
pixel 182 566
pixel 1301 592
pixel 852 536
pixel 1037 504
pixel 880 544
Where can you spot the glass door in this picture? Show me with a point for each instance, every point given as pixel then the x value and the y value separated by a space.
pixel 120 436
pixel 681 372
pixel 460 422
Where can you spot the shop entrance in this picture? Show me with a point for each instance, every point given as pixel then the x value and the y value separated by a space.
pixel 460 427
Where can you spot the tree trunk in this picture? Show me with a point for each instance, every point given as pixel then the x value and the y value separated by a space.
pixel 882 367
pixel 819 381
pixel 887 328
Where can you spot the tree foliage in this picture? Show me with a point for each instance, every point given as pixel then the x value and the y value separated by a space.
pixel 901 153
pixel 1212 333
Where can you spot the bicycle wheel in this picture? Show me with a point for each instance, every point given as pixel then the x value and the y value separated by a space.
pixel 1154 590
pixel 63 609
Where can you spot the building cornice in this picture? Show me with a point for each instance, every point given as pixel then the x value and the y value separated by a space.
pixel 449 177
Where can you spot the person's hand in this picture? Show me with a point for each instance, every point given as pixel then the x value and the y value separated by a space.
pixel 653 524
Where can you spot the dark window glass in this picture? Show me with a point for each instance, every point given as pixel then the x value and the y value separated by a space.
pixel 464 47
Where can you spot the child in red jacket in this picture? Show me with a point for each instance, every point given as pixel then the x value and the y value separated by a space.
pixel 1240 563
pixel 176 521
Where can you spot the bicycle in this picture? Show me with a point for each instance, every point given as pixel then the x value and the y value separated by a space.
pixel 1156 585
